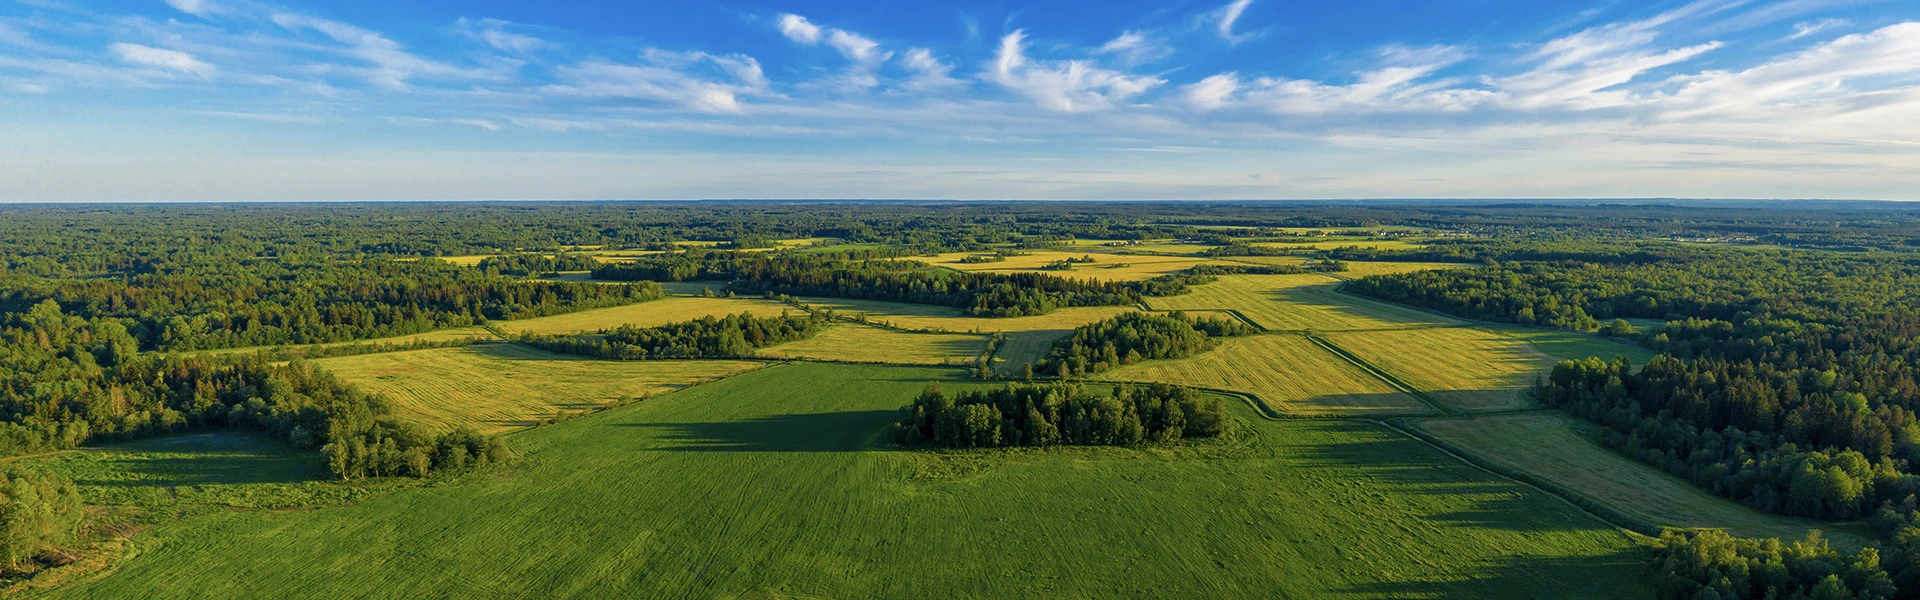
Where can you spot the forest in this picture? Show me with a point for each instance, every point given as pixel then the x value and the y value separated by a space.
pixel 1057 414
pixel 1133 337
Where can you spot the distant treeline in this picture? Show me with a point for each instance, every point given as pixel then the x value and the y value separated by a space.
pixel 732 336
pixel 1133 337
pixel 264 303
pixel 1057 414
pixel 863 274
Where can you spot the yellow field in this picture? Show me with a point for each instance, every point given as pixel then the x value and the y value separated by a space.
pixel 1546 445
pixel 1297 303
pixel 1286 372
pixel 947 318
pixel 1467 368
pixel 1357 269
pixel 1106 267
pixel 645 314
pixel 1333 244
pixel 443 335
pixel 862 343
pixel 500 387
pixel 1280 261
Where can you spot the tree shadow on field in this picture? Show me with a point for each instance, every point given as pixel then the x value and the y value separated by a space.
pixel 811 432
pixel 1616 575
pixel 1462 495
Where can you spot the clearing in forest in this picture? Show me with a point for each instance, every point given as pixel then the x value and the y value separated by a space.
pixel 1286 372
pixel 769 484
pixel 853 342
pixel 500 387
pixel 645 314
pixel 1358 269
pixel 1298 303
pixel 1548 446
pixel 443 335
pixel 1467 368
pixel 1105 267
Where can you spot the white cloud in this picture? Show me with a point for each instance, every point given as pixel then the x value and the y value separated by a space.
pixel 1819 74
pixel 493 32
pixel 1212 92
pixel 669 77
pixel 798 29
pixel 199 8
pixel 929 72
pixel 391 66
pixel 171 60
pixel 1805 29
pixel 856 48
pixel 1066 86
pixel 1227 15
pixel 1135 48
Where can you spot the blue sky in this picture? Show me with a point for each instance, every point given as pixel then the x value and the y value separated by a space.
pixel 226 100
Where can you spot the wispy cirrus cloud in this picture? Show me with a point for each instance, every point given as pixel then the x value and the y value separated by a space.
pixel 1063 85
pixel 161 58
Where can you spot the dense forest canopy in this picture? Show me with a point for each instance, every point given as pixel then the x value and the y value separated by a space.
pixel 1058 414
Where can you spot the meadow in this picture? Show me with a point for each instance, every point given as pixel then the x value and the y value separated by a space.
pixel 1298 303
pixel 947 318
pixel 1288 373
pixel 768 485
pixel 852 342
pixel 502 387
pixel 1105 266
pixel 439 336
pixel 1549 445
pixel 1467 368
pixel 645 314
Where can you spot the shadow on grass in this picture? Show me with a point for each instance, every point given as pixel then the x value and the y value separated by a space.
pixel 1616 575
pixel 811 432
pixel 1462 494
pixel 205 459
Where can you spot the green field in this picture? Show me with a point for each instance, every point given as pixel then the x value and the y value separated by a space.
pixel 1547 445
pixel 645 314
pixel 1298 303
pixel 947 318
pixel 767 485
pixel 862 343
pixel 1288 373
pixel 1106 267
pixel 1567 345
pixel 1467 368
pixel 500 387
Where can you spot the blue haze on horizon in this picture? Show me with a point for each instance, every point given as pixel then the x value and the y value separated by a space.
pixel 272 100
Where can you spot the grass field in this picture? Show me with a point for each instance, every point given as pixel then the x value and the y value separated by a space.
pixel 947 318
pixel 1340 243
pixel 766 486
pixel 500 387
pixel 645 314
pixel 1287 372
pixel 1296 303
pixel 1358 269
pixel 863 343
pixel 1106 267
pixel 1022 348
pixel 1469 369
pixel 1567 345
pixel 1547 445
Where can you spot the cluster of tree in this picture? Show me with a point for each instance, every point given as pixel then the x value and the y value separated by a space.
pixel 855 274
pixel 1133 337
pixel 1326 265
pixel 975 259
pixel 270 302
pixel 1057 414
pixel 732 336
pixel 65 380
pixel 38 512
pixel 1713 565
pixel 522 265
pixel 1068 263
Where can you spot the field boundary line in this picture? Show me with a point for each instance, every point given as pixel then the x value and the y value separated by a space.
pixel 1600 510
pixel 1369 367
